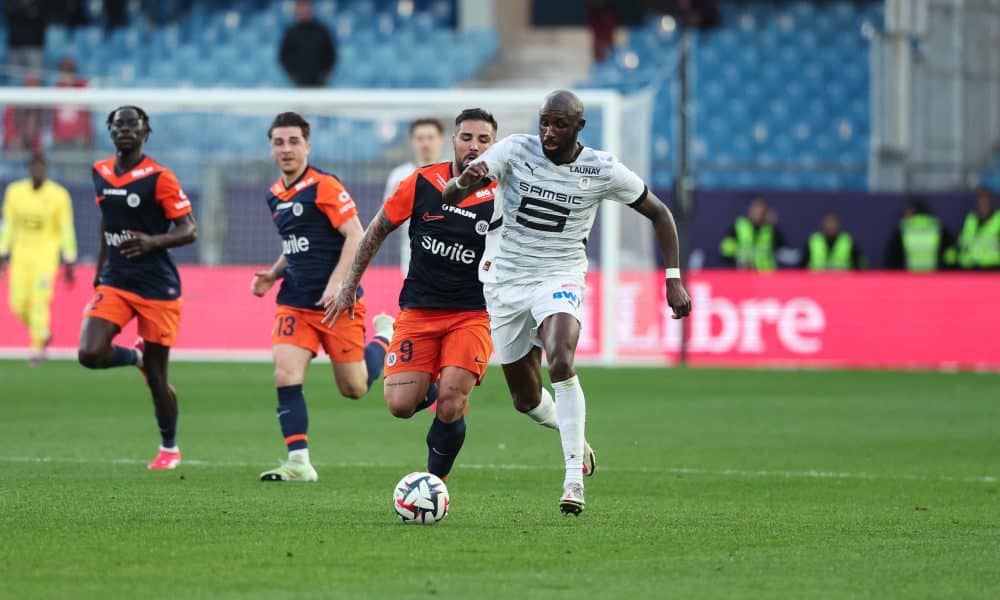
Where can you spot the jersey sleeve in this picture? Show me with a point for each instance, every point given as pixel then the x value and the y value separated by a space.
pixel 399 206
pixel 171 197
pixel 626 187
pixel 334 201
pixel 67 233
pixel 497 158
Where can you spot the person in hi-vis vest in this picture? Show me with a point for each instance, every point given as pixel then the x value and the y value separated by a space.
pixel 919 243
pixel 754 241
pixel 978 244
pixel 832 249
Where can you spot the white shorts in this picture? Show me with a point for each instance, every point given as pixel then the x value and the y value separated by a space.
pixel 516 311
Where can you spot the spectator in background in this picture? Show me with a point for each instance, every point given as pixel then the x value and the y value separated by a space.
pixel 426 142
pixel 754 241
pixel 71 128
pixel 308 50
pixel 23 126
pixel 919 243
pixel 979 242
pixel 832 249
pixel 25 38
pixel 602 20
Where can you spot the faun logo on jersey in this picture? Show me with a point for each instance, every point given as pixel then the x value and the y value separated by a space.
pixel 115 239
pixel 540 192
pixel 452 251
pixel 294 244
pixel 583 170
pixel 468 214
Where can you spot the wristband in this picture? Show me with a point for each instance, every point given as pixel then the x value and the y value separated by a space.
pixel 673 273
pixel 458 184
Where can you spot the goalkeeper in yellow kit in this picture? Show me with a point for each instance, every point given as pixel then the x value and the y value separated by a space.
pixel 37 227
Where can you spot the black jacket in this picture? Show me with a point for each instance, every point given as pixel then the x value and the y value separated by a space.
pixel 308 53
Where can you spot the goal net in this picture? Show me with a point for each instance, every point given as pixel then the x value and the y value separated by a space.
pixel 215 140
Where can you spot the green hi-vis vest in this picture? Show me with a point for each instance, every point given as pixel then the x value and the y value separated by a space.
pixel 921 242
pixel 752 248
pixel 979 244
pixel 823 258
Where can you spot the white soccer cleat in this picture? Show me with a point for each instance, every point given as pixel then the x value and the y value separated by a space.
pixel 383 324
pixel 572 502
pixel 291 470
pixel 589 460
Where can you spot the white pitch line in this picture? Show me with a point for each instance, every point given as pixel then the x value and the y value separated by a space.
pixel 745 473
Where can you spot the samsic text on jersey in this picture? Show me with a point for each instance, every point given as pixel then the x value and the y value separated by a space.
pixel 145 199
pixel 446 241
pixel 307 214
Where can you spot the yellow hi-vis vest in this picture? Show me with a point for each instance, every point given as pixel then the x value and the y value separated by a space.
pixel 824 258
pixel 921 242
pixel 752 248
pixel 979 243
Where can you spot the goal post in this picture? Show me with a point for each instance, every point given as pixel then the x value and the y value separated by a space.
pixel 215 139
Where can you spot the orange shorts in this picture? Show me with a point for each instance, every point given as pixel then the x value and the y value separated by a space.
pixel 344 342
pixel 158 320
pixel 429 339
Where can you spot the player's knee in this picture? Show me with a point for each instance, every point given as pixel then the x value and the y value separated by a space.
pixel 451 406
pixel 561 366
pixel 401 408
pixel 525 401
pixel 354 390
pixel 284 376
pixel 89 357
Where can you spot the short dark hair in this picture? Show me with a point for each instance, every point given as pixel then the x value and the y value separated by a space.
pixel 435 123
pixel 477 114
pixel 289 119
pixel 142 115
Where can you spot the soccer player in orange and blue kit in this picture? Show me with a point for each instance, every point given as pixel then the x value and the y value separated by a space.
pixel 320 231
pixel 443 328
pixel 144 212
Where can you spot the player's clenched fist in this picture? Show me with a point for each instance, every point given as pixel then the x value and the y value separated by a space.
pixel 678 299
pixel 472 174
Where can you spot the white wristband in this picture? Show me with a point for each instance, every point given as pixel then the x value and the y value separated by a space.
pixel 673 273
pixel 459 185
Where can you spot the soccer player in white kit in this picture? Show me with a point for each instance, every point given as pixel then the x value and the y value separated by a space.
pixel 548 189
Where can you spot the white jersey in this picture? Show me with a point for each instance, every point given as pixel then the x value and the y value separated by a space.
pixel 543 212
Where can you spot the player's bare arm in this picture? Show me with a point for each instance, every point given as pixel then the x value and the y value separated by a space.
pixel 472 178
pixel 352 232
pixel 665 229
pixel 368 247
pixel 184 232
pixel 102 254
pixel 265 280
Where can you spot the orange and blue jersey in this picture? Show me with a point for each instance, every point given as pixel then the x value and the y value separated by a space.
pixel 147 198
pixel 446 242
pixel 308 213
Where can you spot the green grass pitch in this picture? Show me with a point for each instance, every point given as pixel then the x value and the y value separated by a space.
pixel 711 484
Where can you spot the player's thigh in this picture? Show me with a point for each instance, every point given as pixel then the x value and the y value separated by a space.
pixel 290 364
pixel 559 334
pixel 524 380
pixel 103 318
pixel 351 378
pixel 467 343
pixel 344 342
pixel 404 391
pixel 292 327
pixel 511 323
pixel 415 344
pixel 159 320
pixel 454 390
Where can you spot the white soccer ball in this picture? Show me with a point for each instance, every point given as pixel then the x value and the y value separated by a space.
pixel 421 499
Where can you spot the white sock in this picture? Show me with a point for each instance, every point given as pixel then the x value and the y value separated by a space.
pixel 545 412
pixel 571 410
pixel 174 449
pixel 301 455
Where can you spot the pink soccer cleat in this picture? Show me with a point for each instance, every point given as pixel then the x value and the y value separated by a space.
pixel 140 346
pixel 165 459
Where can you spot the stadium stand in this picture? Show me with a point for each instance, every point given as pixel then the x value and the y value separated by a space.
pixel 780 93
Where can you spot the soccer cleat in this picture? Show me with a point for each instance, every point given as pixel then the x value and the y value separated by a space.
pixel 139 345
pixel 383 324
pixel 291 470
pixel 572 501
pixel 165 459
pixel 589 460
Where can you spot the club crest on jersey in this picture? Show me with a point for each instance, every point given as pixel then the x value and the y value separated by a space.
pixel 482 227
pixel 585 183
pixel 133 200
pixel 297 209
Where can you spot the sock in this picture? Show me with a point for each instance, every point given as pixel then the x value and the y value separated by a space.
pixel 444 440
pixel 375 358
pixel 301 455
pixel 545 412
pixel 168 428
pixel 430 398
pixel 293 417
pixel 571 410
pixel 125 356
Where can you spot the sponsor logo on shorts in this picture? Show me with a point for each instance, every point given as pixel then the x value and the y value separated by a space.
pixel 133 200
pixel 390 359
pixel 573 298
pixel 295 244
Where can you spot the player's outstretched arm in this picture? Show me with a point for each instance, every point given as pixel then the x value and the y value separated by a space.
pixel 352 232
pixel 472 178
pixel 379 229
pixel 184 232
pixel 665 229
pixel 102 254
